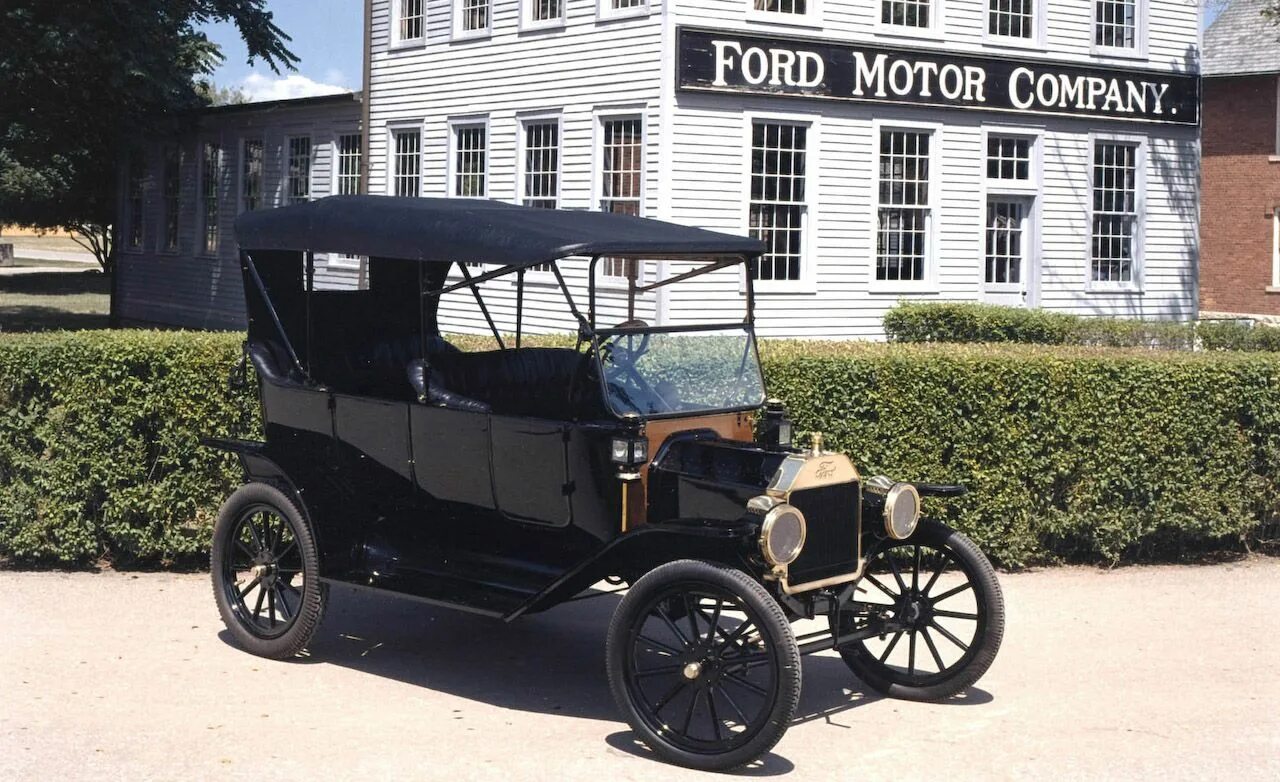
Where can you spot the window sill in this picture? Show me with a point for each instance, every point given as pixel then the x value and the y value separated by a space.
pixel 1271 289
pixel 548 25
pixel 1022 44
pixel 605 16
pixel 1129 55
pixel 1273 158
pixel 1113 290
pixel 416 44
pixel 882 288
pixel 471 35
pixel 904 33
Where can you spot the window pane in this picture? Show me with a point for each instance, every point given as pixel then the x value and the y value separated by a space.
pixel 1012 18
pixel 211 175
pixel 475 15
pixel 541 164
pixel 1115 211
pixel 778 208
pixel 172 196
pixel 1004 242
pixel 406 179
pixel 902 234
pixel 470 161
pixel 907 13
pixel 1115 23
pixel 299 177
pixel 137 178
pixel 349 159
pixel 622 176
pixel 1009 157
pixel 546 10
pixel 251 175
pixel 411 19
pixel 783 6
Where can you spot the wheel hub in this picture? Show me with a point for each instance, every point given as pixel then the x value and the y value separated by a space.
pixel 692 671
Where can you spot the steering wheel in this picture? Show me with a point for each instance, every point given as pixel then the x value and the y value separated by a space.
pixel 622 351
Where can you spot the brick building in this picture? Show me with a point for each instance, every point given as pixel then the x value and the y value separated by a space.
pixel 1240 209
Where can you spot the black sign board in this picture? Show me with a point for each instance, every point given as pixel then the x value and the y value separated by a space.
pixel 721 61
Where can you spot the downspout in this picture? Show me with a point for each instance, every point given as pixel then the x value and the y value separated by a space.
pixel 366 162
pixel 666 101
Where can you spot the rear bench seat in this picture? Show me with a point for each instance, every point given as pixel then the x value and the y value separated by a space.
pixel 538 382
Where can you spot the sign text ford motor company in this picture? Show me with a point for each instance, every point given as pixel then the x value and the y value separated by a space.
pixel 730 62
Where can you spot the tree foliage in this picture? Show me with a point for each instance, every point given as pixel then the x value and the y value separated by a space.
pixel 82 82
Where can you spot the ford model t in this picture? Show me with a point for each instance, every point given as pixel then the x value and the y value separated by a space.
pixel 507 481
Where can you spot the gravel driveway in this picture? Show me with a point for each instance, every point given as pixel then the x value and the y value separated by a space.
pixel 1155 673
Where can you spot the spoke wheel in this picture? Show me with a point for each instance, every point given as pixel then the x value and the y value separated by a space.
pixel 703 664
pixel 265 573
pixel 937 596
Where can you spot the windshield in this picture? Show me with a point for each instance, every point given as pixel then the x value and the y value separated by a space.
pixel 681 372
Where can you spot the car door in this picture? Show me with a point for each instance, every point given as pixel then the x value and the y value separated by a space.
pixel 373 435
pixel 530 472
pixel 451 454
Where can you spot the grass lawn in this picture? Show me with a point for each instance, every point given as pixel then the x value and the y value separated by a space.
pixel 44 301
pixel 59 243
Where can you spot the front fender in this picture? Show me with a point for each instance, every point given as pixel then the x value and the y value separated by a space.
pixel 639 551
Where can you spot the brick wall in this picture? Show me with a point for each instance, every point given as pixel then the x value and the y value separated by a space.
pixel 1240 190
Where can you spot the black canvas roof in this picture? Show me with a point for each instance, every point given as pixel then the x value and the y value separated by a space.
pixel 470 230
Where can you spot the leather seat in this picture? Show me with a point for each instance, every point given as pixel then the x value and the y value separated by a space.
pixel 549 383
pixel 272 363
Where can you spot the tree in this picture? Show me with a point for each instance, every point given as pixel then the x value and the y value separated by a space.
pixel 221 96
pixel 83 82
pixel 1272 11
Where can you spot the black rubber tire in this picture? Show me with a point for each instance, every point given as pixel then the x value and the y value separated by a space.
pixel 770 620
pixel 987 637
pixel 311 604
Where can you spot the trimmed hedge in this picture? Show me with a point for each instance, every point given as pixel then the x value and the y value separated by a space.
pixel 969 322
pixel 99 454
pixel 1077 454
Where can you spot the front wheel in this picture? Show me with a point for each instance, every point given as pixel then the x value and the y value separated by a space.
pixel 936 596
pixel 266 573
pixel 703 665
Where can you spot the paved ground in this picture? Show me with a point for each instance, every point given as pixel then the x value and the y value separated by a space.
pixel 1162 673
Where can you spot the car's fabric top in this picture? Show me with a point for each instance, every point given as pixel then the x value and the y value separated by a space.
pixel 470 230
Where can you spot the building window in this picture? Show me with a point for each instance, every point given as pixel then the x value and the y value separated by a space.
pixel 1011 18
pixel 1115 211
pixel 472 17
pixel 906 13
pixel 622 6
pixel 1115 23
pixel 544 12
pixel 904 213
pixel 470 161
pixel 349 152
pixel 210 176
pixel 621 176
pixel 791 7
pixel 1275 246
pixel 251 175
pixel 778 208
pixel 1009 158
pixel 406 177
pixel 299 171
pixel 1006 221
pixel 137 176
pixel 172 195
pixel 410 20
pixel 541 182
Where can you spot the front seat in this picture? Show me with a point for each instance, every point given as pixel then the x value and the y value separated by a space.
pixel 428 385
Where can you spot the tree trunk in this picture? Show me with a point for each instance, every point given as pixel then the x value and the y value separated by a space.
pixel 96 238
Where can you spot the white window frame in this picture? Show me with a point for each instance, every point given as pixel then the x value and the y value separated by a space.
pixel 529 24
pixel 1275 248
pixel 606 12
pixel 1136 284
pixel 935 30
pixel 262 174
pixel 338 260
pixel 455 124
pixel 524 121
pixel 1142 10
pixel 812 17
pixel 808 282
pixel 599 118
pixel 287 190
pixel 936 139
pixel 392 132
pixel 455 23
pixel 162 245
pixel 202 178
pixel 1038 28
pixel 1031 189
pixel 397 42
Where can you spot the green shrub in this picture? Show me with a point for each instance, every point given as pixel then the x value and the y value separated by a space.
pixel 1071 453
pixel 98 444
pixel 969 322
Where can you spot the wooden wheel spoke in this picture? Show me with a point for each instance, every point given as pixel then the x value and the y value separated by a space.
pixel 257 609
pixel 659 644
pixel 689 611
pixel 688 716
pixel 250 585
pixel 715 719
pixel 673 692
pixel 876 583
pixel 897 573
pixel 245 550
pixel 956 615
pixel 915 570
pixel 943 558
pixel 676 631
pixel 949 636
pixel 659 671
pixel 713 623
pixel 748 686
pixel 742 718
pixel 911 655
pixel 285 611
pixel 271 606
pixel 888 650
pixel 253 531
pixel 952 592
pixel 745 662
pixel 731 640
pixel 933 650
pixel 293 544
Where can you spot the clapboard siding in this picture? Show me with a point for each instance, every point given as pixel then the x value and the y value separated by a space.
pixel 192 289
pixel 576 73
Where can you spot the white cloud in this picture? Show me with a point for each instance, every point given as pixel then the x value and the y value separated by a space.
pixel 262 88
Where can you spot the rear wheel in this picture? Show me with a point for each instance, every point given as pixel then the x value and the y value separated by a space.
pixel 265 568
pixel 939 595
pixel 703 665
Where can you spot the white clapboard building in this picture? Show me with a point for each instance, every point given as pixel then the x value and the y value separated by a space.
pixel 1028 152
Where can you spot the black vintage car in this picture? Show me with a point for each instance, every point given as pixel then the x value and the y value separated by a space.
pixel 508 481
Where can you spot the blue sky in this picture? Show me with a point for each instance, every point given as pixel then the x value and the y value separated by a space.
pixel 327 37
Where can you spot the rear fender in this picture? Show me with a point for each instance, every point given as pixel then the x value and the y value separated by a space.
pixel 636 553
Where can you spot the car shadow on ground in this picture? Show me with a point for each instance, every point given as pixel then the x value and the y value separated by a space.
pixel 550 663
